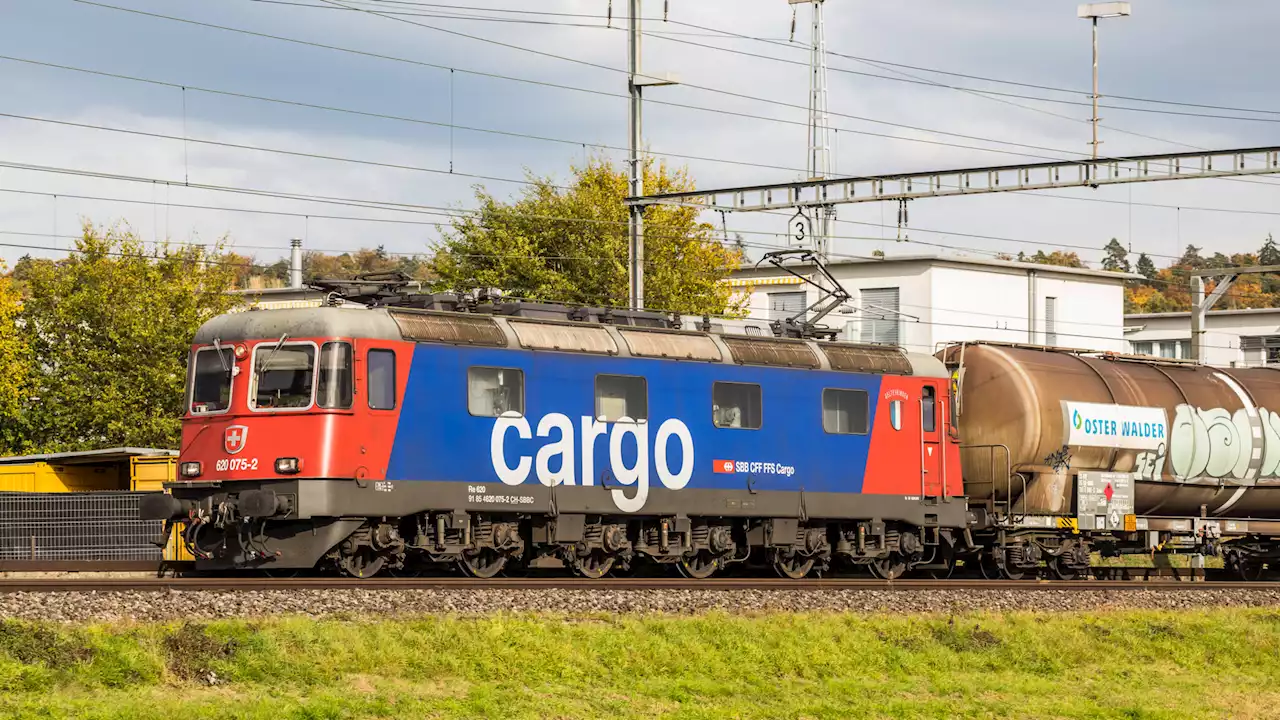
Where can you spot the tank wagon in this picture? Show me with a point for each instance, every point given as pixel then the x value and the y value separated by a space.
pixel 1067 451
pixel 516 434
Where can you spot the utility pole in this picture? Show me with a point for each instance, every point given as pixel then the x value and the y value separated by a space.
pixel 635 218
pixel 635 215
pixel 1094 12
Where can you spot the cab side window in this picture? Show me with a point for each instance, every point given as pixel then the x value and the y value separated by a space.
pixel 735 405
pixel 382 380
pixel 929 414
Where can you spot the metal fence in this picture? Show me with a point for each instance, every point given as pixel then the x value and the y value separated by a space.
pixel 76 526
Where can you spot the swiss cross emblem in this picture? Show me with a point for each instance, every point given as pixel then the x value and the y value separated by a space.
pixel 1108 492
pixel 234 438
pixel 724 466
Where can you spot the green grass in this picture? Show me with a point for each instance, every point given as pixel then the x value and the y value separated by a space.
pixel 1209 664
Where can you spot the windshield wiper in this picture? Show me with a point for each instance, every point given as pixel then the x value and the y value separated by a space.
pixel 257 373
pixel 217 347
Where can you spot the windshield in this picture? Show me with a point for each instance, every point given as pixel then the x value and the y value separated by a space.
pixel 211 381
pixel 283 376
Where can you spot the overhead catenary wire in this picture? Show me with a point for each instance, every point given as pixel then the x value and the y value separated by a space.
pixel 722 34
pixel 914 320
pixel 427 209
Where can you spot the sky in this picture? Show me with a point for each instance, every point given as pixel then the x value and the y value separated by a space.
pixel 538 87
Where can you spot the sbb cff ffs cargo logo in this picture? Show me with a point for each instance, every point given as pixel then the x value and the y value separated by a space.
pixel 234 438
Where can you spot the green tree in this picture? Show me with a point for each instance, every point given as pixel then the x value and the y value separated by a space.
pixel 570 245
pixel 1117 259
pixel 109 329
pixel 1191 258
pixel 15 370
pixel 1145 267
pixel 1270 253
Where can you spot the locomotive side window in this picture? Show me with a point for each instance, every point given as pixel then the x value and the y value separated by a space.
pixel 621 396
pixel 494 391
pixel 382 380
pixel 928 410
pixel 845 412
pixel 211 381
pixel 283 376
pixel 334 389
pixel 736 405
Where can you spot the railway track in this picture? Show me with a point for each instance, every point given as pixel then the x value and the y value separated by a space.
pixel 190 584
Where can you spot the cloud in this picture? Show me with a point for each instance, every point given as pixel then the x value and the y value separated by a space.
pixel 1153 53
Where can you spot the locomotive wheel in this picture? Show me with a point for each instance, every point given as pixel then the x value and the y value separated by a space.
pixel 595 565
pixel 484 564
pixel 283 573
pixel 699 567
pixel 363 564
pixel 793 566
pixel 888 568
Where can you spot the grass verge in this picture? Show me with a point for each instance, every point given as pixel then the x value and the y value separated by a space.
pixel 1219 663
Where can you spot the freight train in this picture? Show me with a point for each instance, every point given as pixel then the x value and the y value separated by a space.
pixel 421 430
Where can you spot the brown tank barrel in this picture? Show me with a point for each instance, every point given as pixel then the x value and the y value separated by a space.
pixel 1197 439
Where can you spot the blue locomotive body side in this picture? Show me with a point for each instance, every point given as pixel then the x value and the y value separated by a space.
pixel 438 439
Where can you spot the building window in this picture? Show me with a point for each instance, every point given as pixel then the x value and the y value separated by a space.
pixel 1184 349
pixel 1175 349
pixel 382 380
pixel 492 392
pixel 1141 348
pixel 621 396
pixel 880 316
pixel 845 412
pixel 1051 321
pixel 783 305
pixel 736 405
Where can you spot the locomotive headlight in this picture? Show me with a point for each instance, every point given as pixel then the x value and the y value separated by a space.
pixel 241 351
pixel 288 466
pixel 190 469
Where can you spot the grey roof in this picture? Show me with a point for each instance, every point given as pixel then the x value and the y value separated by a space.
pixel 967 260
pixel 84 457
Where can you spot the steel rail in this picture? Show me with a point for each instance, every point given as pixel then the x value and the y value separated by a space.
pixel 243 584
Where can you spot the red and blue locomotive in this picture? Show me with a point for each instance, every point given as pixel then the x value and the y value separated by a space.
pixel 515 434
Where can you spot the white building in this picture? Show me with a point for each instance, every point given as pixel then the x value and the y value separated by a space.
pixel 1232 338
pixel 924 302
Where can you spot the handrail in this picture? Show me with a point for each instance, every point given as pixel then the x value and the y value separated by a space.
pixel 1008 478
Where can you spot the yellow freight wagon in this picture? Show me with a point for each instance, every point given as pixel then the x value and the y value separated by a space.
pixel 124 469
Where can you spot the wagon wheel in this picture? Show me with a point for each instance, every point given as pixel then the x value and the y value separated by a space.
pixel 1246 568
pixel 595 565
pixel 282 573
pixel 363 563
pixel 792 566
pixel 888 568
pixel 484 563
pixel 409 569
pixel 991 570
pixel 1061 570
pixel 699 567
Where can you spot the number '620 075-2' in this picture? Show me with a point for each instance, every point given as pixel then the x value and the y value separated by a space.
pixel 236 464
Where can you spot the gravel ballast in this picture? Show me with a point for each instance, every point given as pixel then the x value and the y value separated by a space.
pixel 361 603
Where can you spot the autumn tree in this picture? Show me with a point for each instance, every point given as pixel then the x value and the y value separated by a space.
pixel 570 245
pixel 1057 257
pixel 109 329
pixel 15 370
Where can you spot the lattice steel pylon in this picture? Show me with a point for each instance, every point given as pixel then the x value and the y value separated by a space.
pixel 818 162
